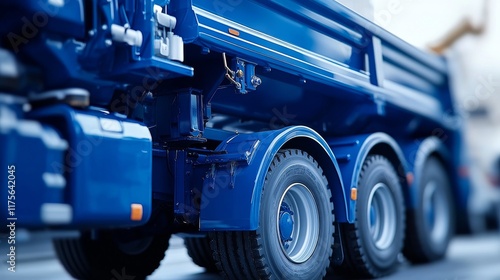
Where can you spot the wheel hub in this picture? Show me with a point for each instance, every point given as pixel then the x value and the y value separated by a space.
pixel 381 216
pixel 298 223
pixel 286 225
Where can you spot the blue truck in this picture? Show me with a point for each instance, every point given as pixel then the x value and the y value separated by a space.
pixel 285 139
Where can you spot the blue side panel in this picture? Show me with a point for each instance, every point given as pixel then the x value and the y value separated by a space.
pixel 318 50
pixel 322 51
pixel 232 191
pixel 108 165
pixel 32 190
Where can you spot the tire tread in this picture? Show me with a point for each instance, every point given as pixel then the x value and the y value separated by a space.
pixel 200 252
pixel 239 255
pixel 84 258
pixel 356 261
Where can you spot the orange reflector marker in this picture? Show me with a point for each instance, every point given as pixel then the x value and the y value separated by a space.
pixel 136 212
pixel 354 194
pixel 409 178
pixel 234 32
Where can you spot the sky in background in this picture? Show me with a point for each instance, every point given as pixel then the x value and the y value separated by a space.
pixel 422 22
pixel 419 21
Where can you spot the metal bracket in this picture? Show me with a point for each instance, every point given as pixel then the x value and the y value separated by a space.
pixel 230 74
pixel 243 77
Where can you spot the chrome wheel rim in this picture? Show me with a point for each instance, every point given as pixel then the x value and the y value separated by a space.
pixel 298 223
pixel 381 213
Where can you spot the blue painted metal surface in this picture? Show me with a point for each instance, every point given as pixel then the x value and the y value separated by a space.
pixel 418 152
pixel 72 42
pixel 29 149
pixel 107 165
pixel 88 178
pixel 324 51
pixel 319 71
pixel 285 224
pixel 232 190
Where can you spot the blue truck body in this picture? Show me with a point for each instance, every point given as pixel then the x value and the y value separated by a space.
pixel 167 116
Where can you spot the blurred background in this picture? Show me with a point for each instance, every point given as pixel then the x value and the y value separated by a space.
pixel 467 33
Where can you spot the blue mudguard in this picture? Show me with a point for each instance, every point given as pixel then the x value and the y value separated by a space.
pixel 233 184
pixel 351 153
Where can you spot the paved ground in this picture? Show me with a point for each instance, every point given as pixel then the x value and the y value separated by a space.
pixel 469 258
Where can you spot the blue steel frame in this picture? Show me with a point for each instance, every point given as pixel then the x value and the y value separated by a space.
pixel 395 73
pixel 338 53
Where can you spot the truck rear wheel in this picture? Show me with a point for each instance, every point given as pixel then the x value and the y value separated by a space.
pixel 295 235
pixel 374 242
pixel 107 258
pixel 431 223
pixel 198 249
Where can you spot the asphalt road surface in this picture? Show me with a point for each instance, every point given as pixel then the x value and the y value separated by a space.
pixel 469 258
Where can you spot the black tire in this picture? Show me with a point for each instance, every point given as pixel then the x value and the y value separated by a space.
pixel 85 258
pixel 294 181
pixel 374 241
pixel 201 254
pixel 430 226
